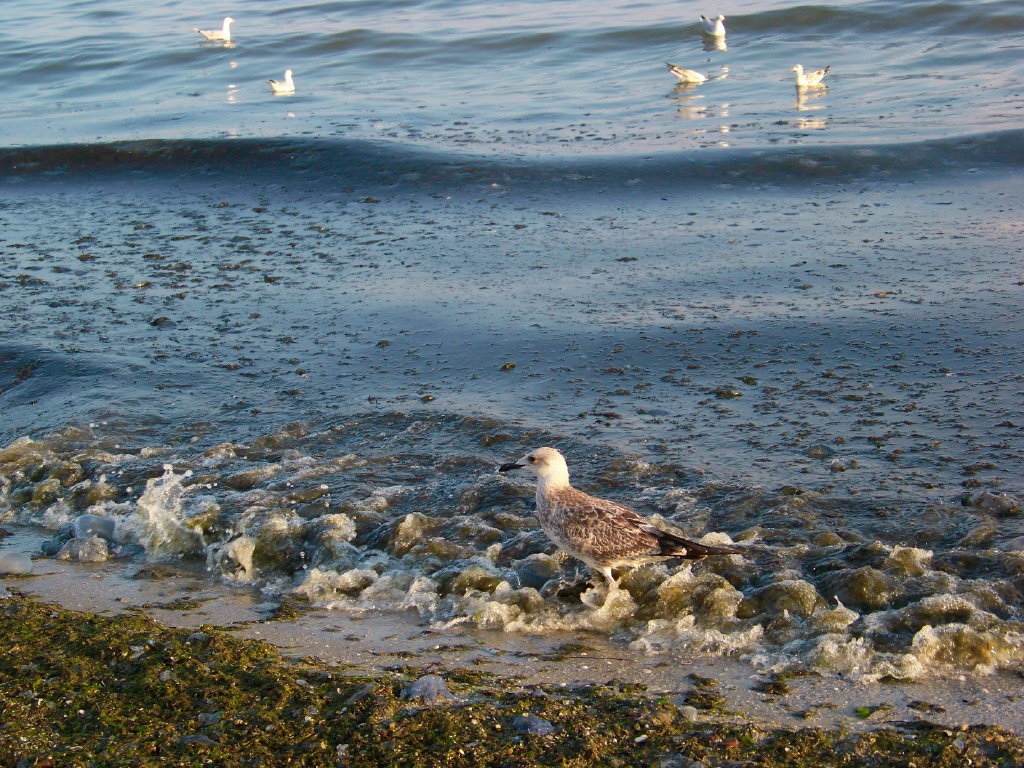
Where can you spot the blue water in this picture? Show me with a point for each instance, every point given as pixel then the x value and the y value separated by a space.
pixel 569 77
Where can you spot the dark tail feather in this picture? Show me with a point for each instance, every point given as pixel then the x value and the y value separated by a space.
pixel 676 546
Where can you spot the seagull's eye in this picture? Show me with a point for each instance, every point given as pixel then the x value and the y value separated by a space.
pixel 531 459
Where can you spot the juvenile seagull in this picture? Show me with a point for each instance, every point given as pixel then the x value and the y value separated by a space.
pixel 808 79
pixel 714 27
pixel 283 86
pixel 222 35
pixel 685 75
pixel 602 534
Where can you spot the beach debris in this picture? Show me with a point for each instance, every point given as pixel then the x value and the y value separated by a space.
pixel 4 592
pixel 685 75
pixel 809 79
pixel 283 86
pixel 713 27
pixel 222 35
pixel 533 725
pixel 429 689
pixel 89 550
pixel 16 563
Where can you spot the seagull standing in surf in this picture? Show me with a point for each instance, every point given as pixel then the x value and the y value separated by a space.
pixel 283 86
pixel 222 35
pixel 809 79
pixel 713 27
pixel 601 533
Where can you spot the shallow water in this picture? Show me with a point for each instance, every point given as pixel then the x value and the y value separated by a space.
pixel 293 363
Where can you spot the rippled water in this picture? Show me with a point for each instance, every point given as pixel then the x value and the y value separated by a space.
pixel 574 76
pixel 288 339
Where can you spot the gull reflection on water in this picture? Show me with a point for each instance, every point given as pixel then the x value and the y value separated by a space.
pixel 805 98
pixel 715 44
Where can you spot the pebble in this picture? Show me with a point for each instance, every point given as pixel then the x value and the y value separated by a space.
pixel 208 718
pixel 93 525
pixel 688 713
pixel 532 724
pixel 15 562
pixel 196 738
pixel 91 550
pixel 428 689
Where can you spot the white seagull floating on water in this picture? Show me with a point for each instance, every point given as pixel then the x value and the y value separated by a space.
pixel 602 534
pixel 222 35
pixel 283 86
pixel 808 79
pixel 714 27
pixel 685 75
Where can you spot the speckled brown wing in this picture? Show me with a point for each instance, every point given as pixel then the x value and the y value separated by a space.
pixel 604 531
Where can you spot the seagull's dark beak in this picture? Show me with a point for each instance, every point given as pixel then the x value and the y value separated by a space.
pixel 510 466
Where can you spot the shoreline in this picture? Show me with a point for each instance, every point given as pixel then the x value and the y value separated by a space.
pixel 109 690
pixel 377 642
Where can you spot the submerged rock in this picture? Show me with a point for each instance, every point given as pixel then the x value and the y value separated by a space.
pixel 994 503
pixel 429 689
pixel 533 725
pixel 93 525
pixel 15 563
pixel 90 550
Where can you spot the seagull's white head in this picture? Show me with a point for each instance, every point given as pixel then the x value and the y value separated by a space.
pixel 546 463
pixel 287 74
pixel 228 20
pixel 799 68
pixel 721 17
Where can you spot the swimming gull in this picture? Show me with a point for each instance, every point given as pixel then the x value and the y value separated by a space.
pixel 222 35
pixel 685 75
pixel 603 534
pixel 808 79
pixel 283 86
pixel 714 27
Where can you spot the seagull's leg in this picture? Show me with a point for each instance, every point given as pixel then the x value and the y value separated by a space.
pixel 612 584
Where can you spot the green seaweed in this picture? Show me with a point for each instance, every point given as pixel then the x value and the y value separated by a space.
pixel 81 690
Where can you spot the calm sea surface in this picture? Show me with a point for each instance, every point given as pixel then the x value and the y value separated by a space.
pixel 570 76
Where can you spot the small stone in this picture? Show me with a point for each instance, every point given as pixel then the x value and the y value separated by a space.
pixel 429 689
pixel 688 714
pixel 196 738
pixel 15 562
pixel 166 676
pixel 93 525
pixel 162 322
pixel 197 637
pixel 533 725
pixel 91 550
pixel 208 718
pixel 819 452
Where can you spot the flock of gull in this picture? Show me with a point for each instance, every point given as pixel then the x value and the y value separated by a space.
pixel 713 28
pixel 223 35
